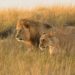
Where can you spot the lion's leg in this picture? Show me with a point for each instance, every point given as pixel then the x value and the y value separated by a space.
pixel 28 45
pixel 51 49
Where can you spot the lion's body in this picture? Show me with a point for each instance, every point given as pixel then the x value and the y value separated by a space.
pixel 31 30
pixel 58 42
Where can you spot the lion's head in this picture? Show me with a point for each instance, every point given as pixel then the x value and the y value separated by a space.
pixel 45 41
pixel 22 31
pixel 48 41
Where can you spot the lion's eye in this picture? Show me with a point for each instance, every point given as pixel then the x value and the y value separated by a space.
pixel 43 40
pixel 27 26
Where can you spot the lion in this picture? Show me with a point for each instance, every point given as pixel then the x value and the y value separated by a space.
pixel 58 42
pixel 48 41
pixel 29 31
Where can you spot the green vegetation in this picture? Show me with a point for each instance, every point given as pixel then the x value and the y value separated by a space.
pixel 14 57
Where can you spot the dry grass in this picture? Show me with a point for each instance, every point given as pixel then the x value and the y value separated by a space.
pixel 16 60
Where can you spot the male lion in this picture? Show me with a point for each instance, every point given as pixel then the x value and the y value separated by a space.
pixel 29 31
pixel 58 41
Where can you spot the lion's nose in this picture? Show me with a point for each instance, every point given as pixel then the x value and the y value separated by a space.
pixel 41 45
pixel 18 37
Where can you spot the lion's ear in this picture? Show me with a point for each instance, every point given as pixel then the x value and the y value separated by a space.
pixel 51 33
pixel 27 26
pixel 47 25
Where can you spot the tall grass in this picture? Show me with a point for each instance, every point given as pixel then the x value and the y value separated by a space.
pixel 52 15
pixel 15 59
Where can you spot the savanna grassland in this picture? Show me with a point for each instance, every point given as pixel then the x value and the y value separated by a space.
pixel 14 57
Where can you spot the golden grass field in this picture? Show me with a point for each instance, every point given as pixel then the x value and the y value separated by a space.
pixel 16 60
